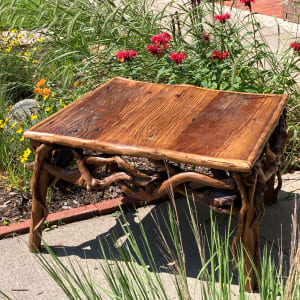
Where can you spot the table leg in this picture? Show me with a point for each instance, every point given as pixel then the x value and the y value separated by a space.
pixel 246 232
pixel 39 185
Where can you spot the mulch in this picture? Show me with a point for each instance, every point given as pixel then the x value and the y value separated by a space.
pixel 15 206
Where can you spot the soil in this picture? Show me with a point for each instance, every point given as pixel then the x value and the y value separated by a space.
pixel 15 206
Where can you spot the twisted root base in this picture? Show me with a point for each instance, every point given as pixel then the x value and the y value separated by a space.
pixel 240 193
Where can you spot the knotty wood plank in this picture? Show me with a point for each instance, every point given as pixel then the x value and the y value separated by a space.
pixel 218 129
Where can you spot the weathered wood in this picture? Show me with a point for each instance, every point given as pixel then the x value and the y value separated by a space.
pixel 216 201
pixel 176 180
pixel 39 185
pixel 222 130
pixel 100 161
pixel 246 234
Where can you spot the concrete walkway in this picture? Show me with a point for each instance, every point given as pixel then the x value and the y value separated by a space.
pixel 22 277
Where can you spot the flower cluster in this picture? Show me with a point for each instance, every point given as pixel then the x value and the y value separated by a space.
pixel 218 55
pixel 155 50
pixel 159 43
pixel 161 38
pixel 126 55
pixel 295 46
pixel 25 155
pixel 177 57
pixel 41 89
pixel 222 18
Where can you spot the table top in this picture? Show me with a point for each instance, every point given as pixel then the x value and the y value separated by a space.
pixel 217 129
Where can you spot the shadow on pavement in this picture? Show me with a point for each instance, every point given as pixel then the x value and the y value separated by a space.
pixel 276 224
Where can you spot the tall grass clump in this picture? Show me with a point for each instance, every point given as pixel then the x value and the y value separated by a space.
pixel 131 271
pixel 75 46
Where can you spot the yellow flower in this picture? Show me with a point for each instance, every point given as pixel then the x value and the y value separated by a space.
pixel 34 48
pixel 8 49
pixel 25 155
pixel 13 124
pixel 13 30
pixel 30 36
pixel 34 62
pixel 20 35
pixel 26 53
pixel 19 131
pixel 40 39
pixel 64 105
pixel 2 124
pixel 22 138
pixel 34 116
pixel 8 108
pixel 48 108
pixel 26 58
pixel 19 54
pixel 12 139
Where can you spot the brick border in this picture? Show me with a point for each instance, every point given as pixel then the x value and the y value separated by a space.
pixel 72 215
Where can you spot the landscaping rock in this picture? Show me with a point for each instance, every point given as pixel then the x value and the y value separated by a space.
pixel 22 110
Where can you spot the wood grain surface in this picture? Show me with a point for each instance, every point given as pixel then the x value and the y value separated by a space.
pixel 225 130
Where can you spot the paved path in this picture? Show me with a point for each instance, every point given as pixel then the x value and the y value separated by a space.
pixel 23 278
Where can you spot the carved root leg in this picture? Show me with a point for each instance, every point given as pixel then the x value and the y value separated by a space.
pixel 40 182
pixel 246 233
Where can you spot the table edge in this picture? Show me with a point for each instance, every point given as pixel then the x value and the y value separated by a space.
pixel 263 139
pixel 139 151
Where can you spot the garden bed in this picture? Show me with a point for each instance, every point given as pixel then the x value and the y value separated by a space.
pixel 15 206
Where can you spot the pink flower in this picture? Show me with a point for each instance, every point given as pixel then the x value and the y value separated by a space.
pixel 161 38
pixel 205 37
pixel 222 18
pixel 177 57
pixel 220 56
pixel 295 45
pixel 154 50
pixel 247 2
pixel 126 55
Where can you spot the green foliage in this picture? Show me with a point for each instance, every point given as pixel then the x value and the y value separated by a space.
pixel 74 46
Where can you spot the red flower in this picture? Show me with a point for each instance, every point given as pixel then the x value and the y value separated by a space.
pixel 126 55
pixel 295 45
pixel 222 18
pixel 247 2
pixel 177 57
pixel 161 38
pixel 154 50
pixel 205 37
pixel 220 56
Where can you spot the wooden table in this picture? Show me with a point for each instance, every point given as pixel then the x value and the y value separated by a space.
pixel 240 137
